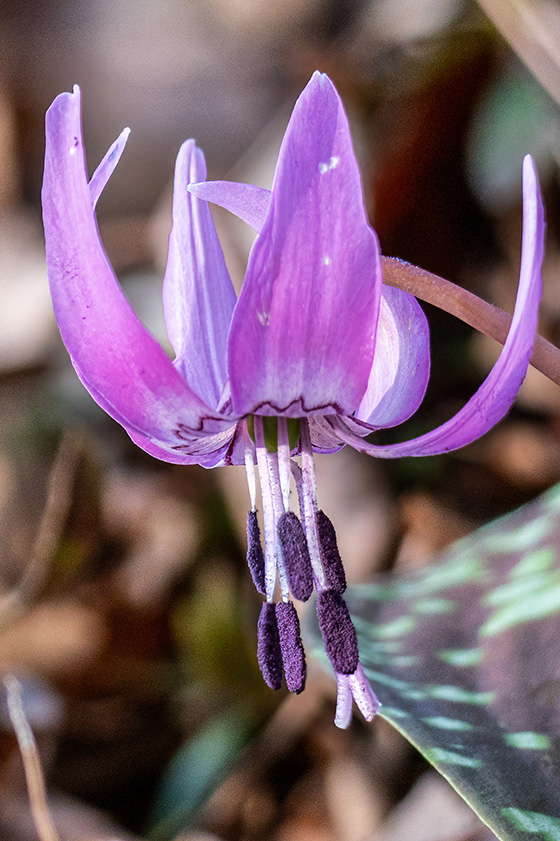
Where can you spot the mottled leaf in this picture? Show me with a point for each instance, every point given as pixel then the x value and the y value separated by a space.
pixel 465 657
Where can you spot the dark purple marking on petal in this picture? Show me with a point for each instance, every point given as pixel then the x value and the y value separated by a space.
pixel 296 556
pixel 330 556
pixel 268 647
pixel 293 655
pixel 338 632
pixel 255 554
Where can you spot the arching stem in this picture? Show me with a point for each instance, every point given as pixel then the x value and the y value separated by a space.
pixel 484 317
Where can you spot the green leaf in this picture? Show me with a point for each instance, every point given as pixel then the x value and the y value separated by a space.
pixel 465 657
pixel 195 771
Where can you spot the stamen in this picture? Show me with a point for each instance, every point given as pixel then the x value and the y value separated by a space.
pixel 268 512
pixel 255 555
pixel 307 492
pixel 296 556
pixel 338 632
pixel 332 562
pixel 284 461
pixel 343 714
pixel 293 655
pixel 268 647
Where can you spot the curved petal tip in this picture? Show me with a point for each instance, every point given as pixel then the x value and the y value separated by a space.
pixel 496 394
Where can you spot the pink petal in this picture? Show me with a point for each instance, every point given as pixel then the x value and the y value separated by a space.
pixel 120 363
pixel 401 362
pixel 198 296
pixel 107 166
pixel 244 200
pixel 496 394
pixel 303 331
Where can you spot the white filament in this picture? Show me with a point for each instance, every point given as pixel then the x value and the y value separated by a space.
pixel 269 520
pixel 284 461
pixel 278 506
pixel 307 492
pixel 250 466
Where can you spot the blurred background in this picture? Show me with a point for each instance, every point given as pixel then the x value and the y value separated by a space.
pixel 126 612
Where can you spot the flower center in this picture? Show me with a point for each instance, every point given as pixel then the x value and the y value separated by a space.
pixel 270 429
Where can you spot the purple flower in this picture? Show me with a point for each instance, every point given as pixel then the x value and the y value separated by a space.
pixel 316 352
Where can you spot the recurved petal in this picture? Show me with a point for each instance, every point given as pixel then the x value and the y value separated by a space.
pixel 496 394
pixel 244 200
pixel 401 361
pixel 198 296
pixel 121 364
pixel 303 331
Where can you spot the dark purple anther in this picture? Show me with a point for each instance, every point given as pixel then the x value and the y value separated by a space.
pixel 296 556
pixel 255 556
pixel 339 634
pixel 268 647
pixel 330 556
pixel 293 655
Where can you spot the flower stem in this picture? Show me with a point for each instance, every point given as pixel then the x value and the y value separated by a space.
pixel 471 309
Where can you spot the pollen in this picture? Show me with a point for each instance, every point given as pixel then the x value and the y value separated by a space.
pixel 296 555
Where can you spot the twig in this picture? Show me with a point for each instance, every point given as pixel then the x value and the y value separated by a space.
pixel 531 29
pixel 52 523
pixel 31 762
